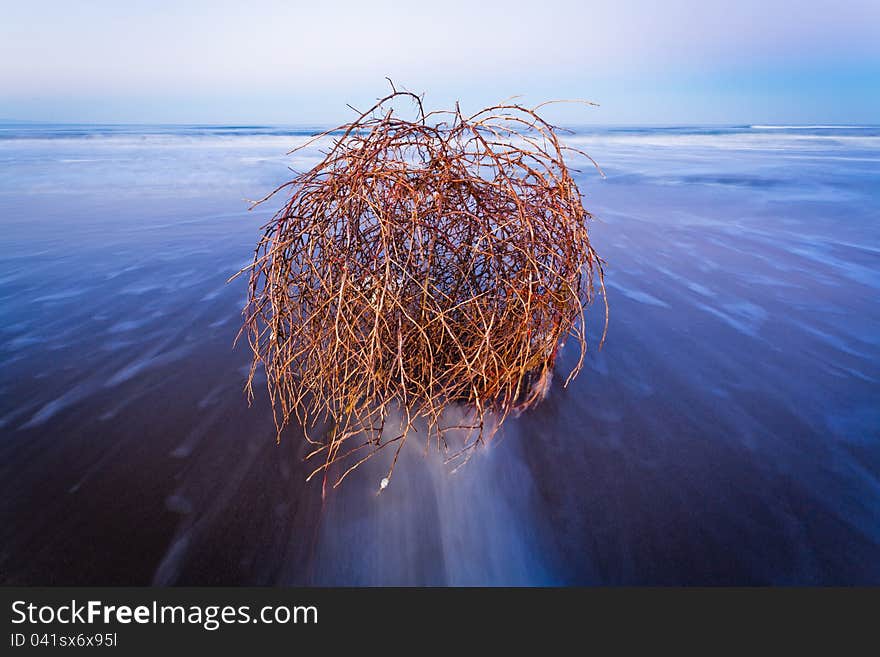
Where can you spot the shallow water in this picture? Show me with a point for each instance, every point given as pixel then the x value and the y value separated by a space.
pixel 728 432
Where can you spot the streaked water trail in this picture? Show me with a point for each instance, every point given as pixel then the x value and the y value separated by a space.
pixel 726 433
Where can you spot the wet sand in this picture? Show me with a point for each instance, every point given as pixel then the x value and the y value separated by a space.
pixel 728 432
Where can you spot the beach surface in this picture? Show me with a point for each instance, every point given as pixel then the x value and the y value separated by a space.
pixel 727 433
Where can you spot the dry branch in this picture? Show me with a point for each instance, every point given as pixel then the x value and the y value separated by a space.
pixel 421 264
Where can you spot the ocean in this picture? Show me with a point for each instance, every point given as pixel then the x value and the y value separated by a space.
pixel 728 432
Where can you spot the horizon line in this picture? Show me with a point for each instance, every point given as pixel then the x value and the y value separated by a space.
pixel 254 125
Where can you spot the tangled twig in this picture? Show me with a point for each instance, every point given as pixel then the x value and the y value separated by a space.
pixel 420 264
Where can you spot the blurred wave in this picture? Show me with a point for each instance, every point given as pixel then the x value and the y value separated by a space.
pixel 728 432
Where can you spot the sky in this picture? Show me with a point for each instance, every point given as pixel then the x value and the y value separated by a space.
pixel 290 62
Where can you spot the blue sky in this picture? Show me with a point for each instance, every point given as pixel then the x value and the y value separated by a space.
pixel 267 61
